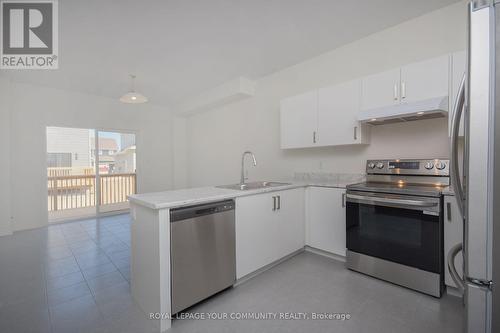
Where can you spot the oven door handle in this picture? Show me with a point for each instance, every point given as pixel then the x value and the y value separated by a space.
pixel 382 200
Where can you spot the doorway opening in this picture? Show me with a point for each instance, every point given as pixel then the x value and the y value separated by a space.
pixel 90 172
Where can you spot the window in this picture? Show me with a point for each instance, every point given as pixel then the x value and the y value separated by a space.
pixel 59 160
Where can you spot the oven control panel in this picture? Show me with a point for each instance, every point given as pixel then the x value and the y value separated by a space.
pixel 430 167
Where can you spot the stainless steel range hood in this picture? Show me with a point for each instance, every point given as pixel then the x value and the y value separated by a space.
pixel 425 109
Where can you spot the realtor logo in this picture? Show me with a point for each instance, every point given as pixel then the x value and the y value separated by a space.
pixel 29 34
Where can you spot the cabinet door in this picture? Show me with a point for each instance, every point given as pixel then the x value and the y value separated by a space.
pixel 338 108
pixel 268 227
pixel 289 227
pixel 424 80
pixel 453 231
pixel 325 222
pixel 380 90
pixel 458 62
pixel 253 237
pixel 299 120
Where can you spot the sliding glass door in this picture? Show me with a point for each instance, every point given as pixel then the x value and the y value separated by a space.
pixel 89 172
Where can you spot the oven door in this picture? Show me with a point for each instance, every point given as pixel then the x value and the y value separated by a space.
pixel 399 228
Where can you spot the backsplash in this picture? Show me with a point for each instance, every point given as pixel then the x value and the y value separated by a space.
pixel 329 177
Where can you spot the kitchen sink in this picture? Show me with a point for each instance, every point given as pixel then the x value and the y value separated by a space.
pixel 253 185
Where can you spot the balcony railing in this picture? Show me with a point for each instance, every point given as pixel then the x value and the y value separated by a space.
pixel 70 171
pixel 80 191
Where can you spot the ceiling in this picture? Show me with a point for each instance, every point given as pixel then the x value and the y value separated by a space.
pixel 179 48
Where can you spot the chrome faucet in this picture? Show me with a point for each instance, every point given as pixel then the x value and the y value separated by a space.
pixel 242 180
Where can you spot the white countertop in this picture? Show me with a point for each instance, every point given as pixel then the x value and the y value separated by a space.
pixel 194 196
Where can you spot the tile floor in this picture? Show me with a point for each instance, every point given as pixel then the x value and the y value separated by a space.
pixel 74 277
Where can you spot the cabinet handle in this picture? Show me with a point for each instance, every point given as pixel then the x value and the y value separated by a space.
pixel 403 90
pixel 355 132
pixel 395 91
pixel 448 211
pixel 343 200
pixel 274 203
pixel 314 137
pixel 279 202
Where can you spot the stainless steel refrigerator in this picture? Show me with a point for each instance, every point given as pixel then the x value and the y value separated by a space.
pixel 477 188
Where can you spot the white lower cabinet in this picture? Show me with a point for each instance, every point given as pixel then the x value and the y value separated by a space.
pixel 325 219
pixel 269 226
pixel 453 231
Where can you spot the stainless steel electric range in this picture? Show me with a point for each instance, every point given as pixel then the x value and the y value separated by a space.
pixel 394 223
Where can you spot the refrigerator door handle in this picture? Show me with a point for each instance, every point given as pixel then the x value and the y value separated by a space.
pixel 481 283
pixel 455 126
pixel 459 282
pixel 456 181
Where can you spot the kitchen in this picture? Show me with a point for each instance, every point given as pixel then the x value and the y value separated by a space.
pixel 288 174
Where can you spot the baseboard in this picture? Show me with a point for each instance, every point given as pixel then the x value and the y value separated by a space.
pixel 324 253
pixel 90 217
pixel 267 267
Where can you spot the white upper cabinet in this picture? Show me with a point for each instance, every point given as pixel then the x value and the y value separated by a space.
pixel 325 117
pixel 299 120
pixel 424 80
pixel 338 107
pixel 340 114
pixel 382 89
pixel 458 62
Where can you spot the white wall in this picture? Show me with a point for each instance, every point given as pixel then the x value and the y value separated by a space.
pixel 180 146
pixel 33 108
pixel 217 138
pixel 5 227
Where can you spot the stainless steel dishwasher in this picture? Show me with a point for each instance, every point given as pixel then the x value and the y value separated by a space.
pixel 203 254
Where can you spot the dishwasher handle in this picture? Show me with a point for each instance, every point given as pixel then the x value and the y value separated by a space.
pixel 184 213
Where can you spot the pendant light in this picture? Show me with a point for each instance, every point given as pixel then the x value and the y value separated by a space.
pixel 133 97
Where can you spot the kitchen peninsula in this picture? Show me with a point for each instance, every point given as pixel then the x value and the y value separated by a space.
pixel 261 215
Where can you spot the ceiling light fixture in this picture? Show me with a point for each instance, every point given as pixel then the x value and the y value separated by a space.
pixel 133 97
